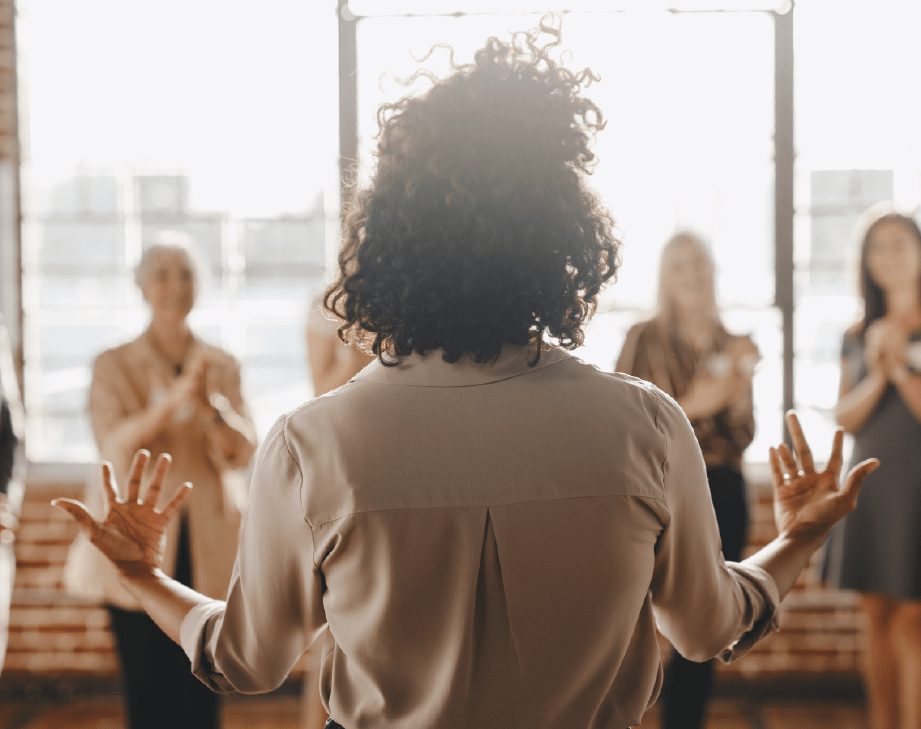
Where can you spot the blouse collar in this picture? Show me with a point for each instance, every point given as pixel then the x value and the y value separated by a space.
pixel 430 370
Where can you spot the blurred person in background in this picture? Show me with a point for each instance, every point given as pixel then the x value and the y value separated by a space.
pixel 877 549
pixel 12 479
pixel 686 351
pixel 332 363
pixel 169 392
pixel 489 528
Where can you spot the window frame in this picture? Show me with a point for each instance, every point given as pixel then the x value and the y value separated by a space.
pixel 55 473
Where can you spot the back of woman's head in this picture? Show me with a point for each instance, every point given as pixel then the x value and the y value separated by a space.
pixel 478 229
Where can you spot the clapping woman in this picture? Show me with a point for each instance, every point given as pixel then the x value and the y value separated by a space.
pixel 686 351
pixel 877 549
pixel 169 392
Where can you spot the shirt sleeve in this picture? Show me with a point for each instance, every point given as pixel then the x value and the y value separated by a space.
pixel 705 606
pixel 107 408
pixel 274 611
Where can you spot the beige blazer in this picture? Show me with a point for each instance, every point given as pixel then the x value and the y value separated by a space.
pixel 126 380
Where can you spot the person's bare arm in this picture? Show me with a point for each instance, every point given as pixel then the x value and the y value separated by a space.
pixel 132 537
pixel 856 402
pixel 274 604
pixel 807 504
pixel 884 352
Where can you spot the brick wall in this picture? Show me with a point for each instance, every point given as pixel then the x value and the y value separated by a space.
pixel 52 635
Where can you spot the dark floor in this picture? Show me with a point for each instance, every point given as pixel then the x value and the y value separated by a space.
pixel 283 712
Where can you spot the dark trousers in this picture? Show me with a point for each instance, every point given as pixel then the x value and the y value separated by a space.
pixel 688 685
pixel 160 690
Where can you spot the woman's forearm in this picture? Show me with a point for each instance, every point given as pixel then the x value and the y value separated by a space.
pixel 856 405
pixel 164 599
pixel 139 429
pixel 785 558
pixel 229 434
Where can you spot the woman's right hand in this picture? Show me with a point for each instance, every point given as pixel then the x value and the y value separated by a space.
pixel 807 503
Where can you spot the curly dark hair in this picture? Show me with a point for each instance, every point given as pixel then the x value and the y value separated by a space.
pixel 478 228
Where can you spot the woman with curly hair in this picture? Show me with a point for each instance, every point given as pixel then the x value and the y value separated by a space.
pixel 489 528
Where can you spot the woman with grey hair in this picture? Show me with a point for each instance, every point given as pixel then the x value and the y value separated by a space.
pixel 169 392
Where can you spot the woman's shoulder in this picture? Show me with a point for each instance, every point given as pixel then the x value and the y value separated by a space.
pixel 739 343
pixel 645 332
pixel 218 357
pixel 121 354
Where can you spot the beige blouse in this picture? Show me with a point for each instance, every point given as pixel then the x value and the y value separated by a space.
pixel 126 380
pixel 489 545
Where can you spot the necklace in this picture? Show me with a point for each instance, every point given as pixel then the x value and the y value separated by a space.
pixel 172 364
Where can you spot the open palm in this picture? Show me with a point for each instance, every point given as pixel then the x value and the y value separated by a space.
pixel 133 533
pixel 809 502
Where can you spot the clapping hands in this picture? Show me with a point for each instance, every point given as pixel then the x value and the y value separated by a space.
pixel 885 347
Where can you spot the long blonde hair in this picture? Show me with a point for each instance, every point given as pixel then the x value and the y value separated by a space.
pixel 667 309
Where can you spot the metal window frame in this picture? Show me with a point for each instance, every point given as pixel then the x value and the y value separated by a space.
pixel 784 159
pixel 784 155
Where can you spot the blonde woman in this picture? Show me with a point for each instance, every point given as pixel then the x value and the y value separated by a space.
pixel 686 351
pixel 169 392
pixel 877 550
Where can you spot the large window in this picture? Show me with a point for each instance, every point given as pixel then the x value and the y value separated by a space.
pixel 689 102
pixel 193 116
pixel 857 144
pixel 213 118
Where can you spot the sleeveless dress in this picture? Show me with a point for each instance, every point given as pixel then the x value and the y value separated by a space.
pixel 877 547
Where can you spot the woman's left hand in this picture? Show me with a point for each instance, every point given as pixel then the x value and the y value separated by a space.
pixel 808 503
pixel 133 533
